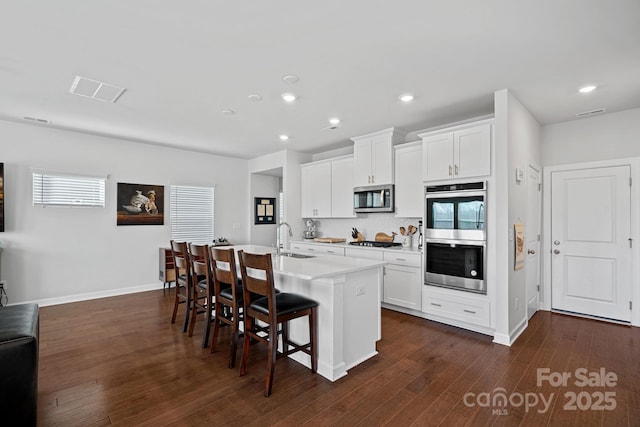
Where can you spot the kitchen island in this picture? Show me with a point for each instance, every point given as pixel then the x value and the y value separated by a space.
pixel 348 293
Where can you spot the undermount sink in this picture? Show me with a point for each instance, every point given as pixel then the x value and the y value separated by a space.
pixel 292 255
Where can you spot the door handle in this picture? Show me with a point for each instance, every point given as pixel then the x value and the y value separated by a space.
pixel 556 251
pixel 531 252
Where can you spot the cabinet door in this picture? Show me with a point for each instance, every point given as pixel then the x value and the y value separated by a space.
pixel 402 286
pixel 342 188
pixel 316 190
pixel 472 152
pixel 362 163
pixel 409 187
pixel 437 157
pixel 381 161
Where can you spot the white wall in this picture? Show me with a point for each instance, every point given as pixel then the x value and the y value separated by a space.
pixel 605 137
pixel 524 148
pixel 62 254
pixel 517 143
pixel 264 186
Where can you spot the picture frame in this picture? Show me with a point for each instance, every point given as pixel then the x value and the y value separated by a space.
pixel 1 197
pixel 265 210
pixel 140 204
pixel 519 243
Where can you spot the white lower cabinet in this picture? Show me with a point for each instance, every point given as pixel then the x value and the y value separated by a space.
pixel 471 309
pixel 402 286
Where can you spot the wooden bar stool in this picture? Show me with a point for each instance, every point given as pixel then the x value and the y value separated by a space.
pixel 203 294
pixel 183 281
pixel 228 298
pixel 273 309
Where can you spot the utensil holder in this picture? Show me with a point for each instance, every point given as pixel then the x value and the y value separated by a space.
pixel 407 241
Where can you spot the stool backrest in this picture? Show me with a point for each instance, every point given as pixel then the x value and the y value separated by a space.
pixel 223 267
pixel 253 282
pixel 181 260
pixel 200 261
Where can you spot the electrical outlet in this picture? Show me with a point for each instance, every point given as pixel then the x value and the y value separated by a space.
pixel 236 226
pixel 517 304
pixel 360 290
pixel 3 284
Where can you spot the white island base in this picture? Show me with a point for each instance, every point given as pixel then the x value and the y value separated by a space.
pixel 348 294
pixel 348 319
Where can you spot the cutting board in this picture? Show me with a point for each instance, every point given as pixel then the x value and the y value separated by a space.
pixel 329 240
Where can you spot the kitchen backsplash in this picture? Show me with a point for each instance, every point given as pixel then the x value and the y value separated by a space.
pixel 367 224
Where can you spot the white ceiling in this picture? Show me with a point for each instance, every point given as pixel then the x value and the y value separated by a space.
pixel 182 62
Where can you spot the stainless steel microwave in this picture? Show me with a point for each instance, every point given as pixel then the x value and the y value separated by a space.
pixel 379 198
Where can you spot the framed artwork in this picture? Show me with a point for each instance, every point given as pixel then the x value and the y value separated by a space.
pixel 518 231
pixel 140 204
pixel 1 197
pixel 265 210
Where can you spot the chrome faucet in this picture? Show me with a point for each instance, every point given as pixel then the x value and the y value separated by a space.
pixel 278 242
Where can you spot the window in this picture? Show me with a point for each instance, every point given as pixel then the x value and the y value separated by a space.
pixel 192 214
pixel 52 189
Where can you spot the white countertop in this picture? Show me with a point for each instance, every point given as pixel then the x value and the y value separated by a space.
pixel 413 249
pixel 316 267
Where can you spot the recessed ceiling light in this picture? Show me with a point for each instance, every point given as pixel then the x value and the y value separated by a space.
pixel 228 112
pixel 291 79
pixel 255 97
pixel 334 120
pixel 406 97
pixel 288 97
pixel 284 137
pixel 587 89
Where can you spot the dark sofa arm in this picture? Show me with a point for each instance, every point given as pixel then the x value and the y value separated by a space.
pixel 19 329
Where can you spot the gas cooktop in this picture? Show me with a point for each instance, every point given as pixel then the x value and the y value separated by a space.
pixel 375 244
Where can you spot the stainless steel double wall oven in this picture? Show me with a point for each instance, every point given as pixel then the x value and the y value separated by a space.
pixel 455 236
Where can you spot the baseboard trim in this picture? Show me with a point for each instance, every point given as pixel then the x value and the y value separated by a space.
pixel 93 295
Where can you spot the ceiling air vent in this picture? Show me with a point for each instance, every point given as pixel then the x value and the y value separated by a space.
pixel 591 113
pixel 37 120
pixel 95 89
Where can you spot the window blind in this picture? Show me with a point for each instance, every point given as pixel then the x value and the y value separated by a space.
pixel 50 189
pixel 191 210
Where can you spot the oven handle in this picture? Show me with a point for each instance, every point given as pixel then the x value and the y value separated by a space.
pixel 457 242
pixel 447 194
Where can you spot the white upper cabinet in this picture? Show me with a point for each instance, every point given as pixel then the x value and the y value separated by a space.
pixel 327 188
pixel 408 179
pixel 342 188
pixel 373 157
pixel 460 153
pixel 316 190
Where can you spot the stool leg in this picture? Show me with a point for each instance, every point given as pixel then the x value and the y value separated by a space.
pixel 235 336
pixel 313 335
pixel 285 337
pixel 216 326
pixel 175 309
pixel 187 310
pixel 248 326
pixel 207 326
pixel 271 361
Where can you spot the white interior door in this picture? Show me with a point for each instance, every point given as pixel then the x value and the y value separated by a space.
pixel 532 234
pixel 590 233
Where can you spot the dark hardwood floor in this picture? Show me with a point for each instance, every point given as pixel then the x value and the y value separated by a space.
pixel 119 361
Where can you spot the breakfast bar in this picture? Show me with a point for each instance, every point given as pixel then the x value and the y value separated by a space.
pixel 348 293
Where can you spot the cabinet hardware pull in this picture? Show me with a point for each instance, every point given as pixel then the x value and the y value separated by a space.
pixel 330 252
pixel 400 259
pixel 449 170
pixel 456 169
pixel 469 311
pixel 437 305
